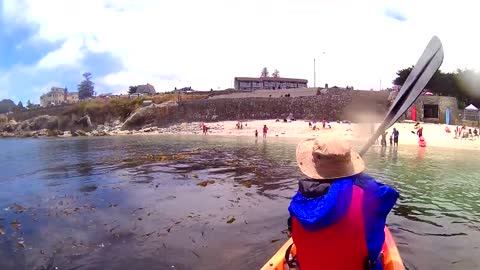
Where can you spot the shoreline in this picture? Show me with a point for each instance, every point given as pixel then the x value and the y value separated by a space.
pixel 434 134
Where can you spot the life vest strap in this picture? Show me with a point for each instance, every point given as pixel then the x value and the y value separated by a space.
pixel 292 262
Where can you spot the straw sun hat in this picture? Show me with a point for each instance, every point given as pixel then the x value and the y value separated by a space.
pixel 328 158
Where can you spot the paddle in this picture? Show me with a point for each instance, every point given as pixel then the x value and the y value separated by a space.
pixel 421 73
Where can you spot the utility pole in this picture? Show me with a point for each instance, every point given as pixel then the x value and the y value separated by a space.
pixel 314 74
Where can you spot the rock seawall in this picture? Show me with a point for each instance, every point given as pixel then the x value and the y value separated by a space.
pixel 332 105
pixel 355 106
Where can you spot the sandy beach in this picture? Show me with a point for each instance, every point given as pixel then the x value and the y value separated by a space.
pixel 434 134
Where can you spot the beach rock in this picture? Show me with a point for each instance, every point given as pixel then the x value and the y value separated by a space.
pixel 149 128
pixel 97 133
pixel 54 133
pixel 7 135
pixel 40 133
pixel 25 134
pixel 79 133
pixel 66 134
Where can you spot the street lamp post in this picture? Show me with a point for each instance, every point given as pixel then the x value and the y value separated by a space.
pixel 315 72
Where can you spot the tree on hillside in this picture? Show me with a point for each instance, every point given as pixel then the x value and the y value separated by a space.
pixel 86 87
pixel 132 89
pixel 6 105
pixel 402 75
pixel 29 104
pixel 276 73
pixel 264 72
pixel 20 105
pixel 462 84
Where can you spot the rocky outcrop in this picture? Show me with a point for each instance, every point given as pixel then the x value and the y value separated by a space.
pixel 146 115
pixel 85 122
pixel 38 123
pixel 10 126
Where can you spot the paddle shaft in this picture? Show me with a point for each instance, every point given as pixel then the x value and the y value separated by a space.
pixel 428 63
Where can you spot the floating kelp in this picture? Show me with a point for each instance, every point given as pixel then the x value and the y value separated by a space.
pixel 15 225
pixel 247 183
pixel 89 188
pixel 206 183
pixel 17 208
pixel 165 157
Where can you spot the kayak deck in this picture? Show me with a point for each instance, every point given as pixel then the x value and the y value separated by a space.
pixel 391 256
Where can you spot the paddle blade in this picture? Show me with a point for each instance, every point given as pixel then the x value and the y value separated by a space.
pixel 422 72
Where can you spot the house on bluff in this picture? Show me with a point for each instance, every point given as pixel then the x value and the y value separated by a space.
pixel 250 84
pixel 58 96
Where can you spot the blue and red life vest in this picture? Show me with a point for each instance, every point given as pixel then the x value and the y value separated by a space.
pixel 341 228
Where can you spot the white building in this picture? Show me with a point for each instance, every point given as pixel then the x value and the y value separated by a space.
pixel 58 96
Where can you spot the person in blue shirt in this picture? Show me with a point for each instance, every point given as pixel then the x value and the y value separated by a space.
pixel 395 134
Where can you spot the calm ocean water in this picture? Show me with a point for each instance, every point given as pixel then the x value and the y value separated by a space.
pixel 133 202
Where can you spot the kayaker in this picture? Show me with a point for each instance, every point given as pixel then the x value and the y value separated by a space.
pixel 338 214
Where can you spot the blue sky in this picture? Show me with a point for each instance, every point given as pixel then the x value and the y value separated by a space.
pixel 205 44
pixel 20 52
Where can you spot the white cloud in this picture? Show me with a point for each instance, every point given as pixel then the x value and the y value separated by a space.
pixel 205 44
pixel 69 54
pixel 46 87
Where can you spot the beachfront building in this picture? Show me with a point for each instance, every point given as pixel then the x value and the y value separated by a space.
pixel 250 84
pixel 58 96
pixel 432 109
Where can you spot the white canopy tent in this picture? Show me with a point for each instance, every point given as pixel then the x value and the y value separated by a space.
pixel 471 107
pixel 471 113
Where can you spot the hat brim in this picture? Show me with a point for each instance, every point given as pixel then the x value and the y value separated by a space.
pixel 329 169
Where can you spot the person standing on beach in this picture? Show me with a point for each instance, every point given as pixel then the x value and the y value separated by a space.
pixel 265 130
pixel 419 130
pixel 323 123
pixel 204 129
pixel 395 137
pixel 256 133
pixel 384 139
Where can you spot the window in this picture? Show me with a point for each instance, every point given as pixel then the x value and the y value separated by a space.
pixel 430 111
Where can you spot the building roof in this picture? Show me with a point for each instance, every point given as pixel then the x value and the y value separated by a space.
pixel 278 79
pixel 146 88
